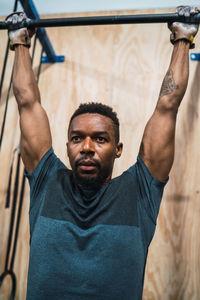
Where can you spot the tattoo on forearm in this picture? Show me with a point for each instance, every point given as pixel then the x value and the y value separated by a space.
pixel 168 85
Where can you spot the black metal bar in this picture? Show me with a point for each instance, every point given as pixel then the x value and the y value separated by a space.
pixel 105 20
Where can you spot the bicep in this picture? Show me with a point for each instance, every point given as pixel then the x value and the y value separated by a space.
pixel 35 135
pixel 157 147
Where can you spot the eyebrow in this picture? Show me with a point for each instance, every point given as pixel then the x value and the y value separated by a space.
pixel 94 133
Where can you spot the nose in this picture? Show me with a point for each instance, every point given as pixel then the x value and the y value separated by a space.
pixel 87 146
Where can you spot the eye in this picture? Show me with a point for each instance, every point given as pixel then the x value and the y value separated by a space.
pixel 75 139
pixel 100 139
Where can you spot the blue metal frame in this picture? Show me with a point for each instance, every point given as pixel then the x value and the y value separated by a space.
pixel 195 56
pixel 31 12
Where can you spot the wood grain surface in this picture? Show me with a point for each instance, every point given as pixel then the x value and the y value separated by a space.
pixel 122 66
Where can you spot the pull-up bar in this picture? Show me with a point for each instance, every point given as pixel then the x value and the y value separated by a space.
pixel 103 20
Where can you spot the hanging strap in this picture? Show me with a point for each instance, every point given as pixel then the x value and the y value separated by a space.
pixel 2 80
pixel 7 205
pixel 4 68
pixel 12 218
pixel 5 110
pixel 6 57
pixel 9 270
pixel 18 221
pixel 14 283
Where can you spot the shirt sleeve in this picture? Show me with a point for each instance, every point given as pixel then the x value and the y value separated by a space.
pixel 150 192
pixel 151 189
pixel 48 164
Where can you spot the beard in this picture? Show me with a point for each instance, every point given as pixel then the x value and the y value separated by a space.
pixel 89 180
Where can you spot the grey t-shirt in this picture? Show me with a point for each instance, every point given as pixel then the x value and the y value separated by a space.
pixel 90 245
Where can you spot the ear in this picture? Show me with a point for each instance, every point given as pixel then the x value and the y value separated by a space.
pixel 118 151
pixel 67 145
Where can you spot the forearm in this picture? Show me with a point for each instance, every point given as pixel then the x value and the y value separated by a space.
pixel 175 82
pixel 157 147
pixel 24 83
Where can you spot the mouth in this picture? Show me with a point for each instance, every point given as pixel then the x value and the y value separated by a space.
pixel 87 165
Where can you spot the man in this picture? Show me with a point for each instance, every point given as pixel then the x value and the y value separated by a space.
pixel 90 233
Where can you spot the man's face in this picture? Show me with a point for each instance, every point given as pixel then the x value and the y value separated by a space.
pixel 92 149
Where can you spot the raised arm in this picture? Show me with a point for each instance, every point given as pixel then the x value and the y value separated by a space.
pixel 157 147
pixel 34 124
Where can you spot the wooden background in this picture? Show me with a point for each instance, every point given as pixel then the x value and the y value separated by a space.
pixel 122 66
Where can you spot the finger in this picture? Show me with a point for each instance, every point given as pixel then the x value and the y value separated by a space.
pixel 172 37
pixel 24 16
pixel 180 10
pixel 20 18
pixel 9 20
pixel 176 25
pixel 194 10
pixel 14 19
pixel 186 11
pixel 31 32
pixel 169 25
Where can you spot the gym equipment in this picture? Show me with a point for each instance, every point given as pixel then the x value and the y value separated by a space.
pixel 103 20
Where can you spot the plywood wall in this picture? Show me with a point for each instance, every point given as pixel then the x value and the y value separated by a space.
pixel 121 66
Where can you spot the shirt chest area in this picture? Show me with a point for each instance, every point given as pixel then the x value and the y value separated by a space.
pixel 94 260
pixel 114 204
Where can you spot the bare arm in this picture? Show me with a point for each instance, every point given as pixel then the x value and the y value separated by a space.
pixel 157 147
pixel 34 124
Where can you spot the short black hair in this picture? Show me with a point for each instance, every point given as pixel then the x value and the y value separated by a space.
pixel 98 108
